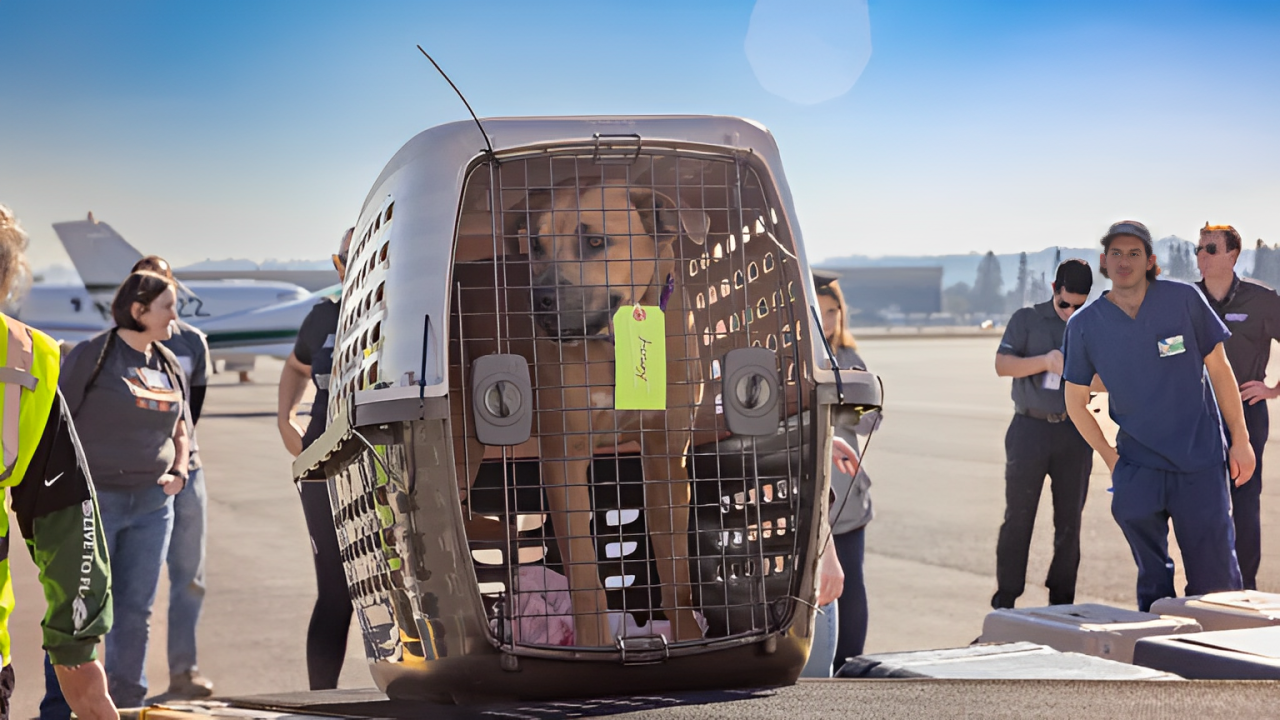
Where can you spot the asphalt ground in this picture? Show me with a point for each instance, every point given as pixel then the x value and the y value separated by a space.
pixel 937 465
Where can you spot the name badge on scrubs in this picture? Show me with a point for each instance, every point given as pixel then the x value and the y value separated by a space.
pixel 1171 346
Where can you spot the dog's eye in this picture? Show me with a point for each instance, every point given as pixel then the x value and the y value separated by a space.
pixel 595 241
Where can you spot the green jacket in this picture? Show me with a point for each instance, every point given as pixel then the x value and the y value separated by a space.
pixel 53 500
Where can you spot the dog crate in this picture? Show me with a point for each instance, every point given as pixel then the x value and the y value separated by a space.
pixel 581 412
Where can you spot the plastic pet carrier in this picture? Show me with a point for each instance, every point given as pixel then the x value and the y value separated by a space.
pixel 581 412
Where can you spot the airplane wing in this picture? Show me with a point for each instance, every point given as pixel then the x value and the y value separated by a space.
pixel 270 330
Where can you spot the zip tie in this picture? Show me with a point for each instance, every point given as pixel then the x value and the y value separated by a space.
pixel 666 292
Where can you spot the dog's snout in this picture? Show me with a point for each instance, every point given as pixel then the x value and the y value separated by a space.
pixel 544 300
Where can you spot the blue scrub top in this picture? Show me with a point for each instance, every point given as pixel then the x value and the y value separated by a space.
pixel 1160 393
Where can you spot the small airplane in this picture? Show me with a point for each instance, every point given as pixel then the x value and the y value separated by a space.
pixel 104 258
pixel 242 318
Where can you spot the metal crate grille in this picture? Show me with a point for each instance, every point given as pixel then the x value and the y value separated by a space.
pixel 653 530
pixel 371 508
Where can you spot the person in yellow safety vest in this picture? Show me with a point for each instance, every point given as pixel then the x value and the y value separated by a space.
pixel 43 469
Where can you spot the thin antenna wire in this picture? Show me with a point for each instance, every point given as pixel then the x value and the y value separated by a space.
pixel 464 102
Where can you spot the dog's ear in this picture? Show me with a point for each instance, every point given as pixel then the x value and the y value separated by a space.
pixel 664 219
pixel 517 220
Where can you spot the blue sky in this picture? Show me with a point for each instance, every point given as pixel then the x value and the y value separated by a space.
pixel 254 129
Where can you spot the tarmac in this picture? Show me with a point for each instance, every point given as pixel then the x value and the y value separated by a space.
pixel 937 468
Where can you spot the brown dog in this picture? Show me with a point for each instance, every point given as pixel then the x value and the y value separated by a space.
pixel 591 251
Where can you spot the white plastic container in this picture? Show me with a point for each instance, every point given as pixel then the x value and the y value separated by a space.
pixel 1090 629
pixel 1003 661
pixel 1249 654
pixel 1235 610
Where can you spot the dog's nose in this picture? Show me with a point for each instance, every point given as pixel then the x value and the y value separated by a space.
pixel 544 300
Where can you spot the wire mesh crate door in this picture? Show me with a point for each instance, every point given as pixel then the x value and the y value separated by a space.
pixel 612 524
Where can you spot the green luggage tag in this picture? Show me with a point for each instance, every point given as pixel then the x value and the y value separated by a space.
pixel 639 358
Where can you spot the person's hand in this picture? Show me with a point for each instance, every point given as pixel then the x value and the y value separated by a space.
pixel 1255 391
pixel 830 575
pixel 1053 362
pixel 1111 456
pixel 843 456
pixel 1241 462
pixel 172 484
pixel 85 688
pixel 291 435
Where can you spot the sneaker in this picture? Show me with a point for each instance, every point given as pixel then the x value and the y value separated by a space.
pixel 190 685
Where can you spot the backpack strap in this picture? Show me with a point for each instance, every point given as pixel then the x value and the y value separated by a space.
pixel 176 376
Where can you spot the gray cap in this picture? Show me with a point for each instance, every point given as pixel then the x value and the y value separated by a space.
pixel 1129 227
pixel 823 278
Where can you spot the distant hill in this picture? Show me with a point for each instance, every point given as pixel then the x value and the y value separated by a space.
pixel 964 268
pixel 240 265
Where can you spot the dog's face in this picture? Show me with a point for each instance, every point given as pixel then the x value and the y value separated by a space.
pixel 593 250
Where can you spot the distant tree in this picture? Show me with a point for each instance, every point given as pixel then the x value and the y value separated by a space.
pixel 1042 291
pixel 1020 291
pixel 1266 264
pixel 1180 265
pixel 988 286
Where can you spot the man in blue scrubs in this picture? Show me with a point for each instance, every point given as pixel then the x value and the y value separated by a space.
pixel 1251 311
pixel 1158 348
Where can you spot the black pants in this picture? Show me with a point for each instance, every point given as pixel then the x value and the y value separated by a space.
pixel 851 633
pixel 1035 448
pixel 6 690
pixel 331 617
pixel 1246 508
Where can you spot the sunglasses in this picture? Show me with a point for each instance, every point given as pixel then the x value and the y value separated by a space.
pixel 1211 248
pixel 340 260
pixel 1064 305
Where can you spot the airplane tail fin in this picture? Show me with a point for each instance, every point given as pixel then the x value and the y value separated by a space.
pixel 101 256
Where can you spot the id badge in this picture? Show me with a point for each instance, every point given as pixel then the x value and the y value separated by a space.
pixel 154 379
pixel 1052 381
pixel 1171 346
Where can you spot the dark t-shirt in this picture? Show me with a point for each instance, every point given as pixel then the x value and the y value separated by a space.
pixel 1251 311
pixel 127 418
pixel 191 348
pixel 315 348
pixel 1153 367
pixel 1035 331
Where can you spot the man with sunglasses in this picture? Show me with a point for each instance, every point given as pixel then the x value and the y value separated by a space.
pixel 1158 348
pixel 1251 311
pixel 1040 441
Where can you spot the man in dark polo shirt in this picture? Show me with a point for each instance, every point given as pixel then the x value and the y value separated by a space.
pixel 1251 311
pixel 1042 441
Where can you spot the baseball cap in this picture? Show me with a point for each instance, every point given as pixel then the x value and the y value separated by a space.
pixel 823 278
pixel 1129 227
